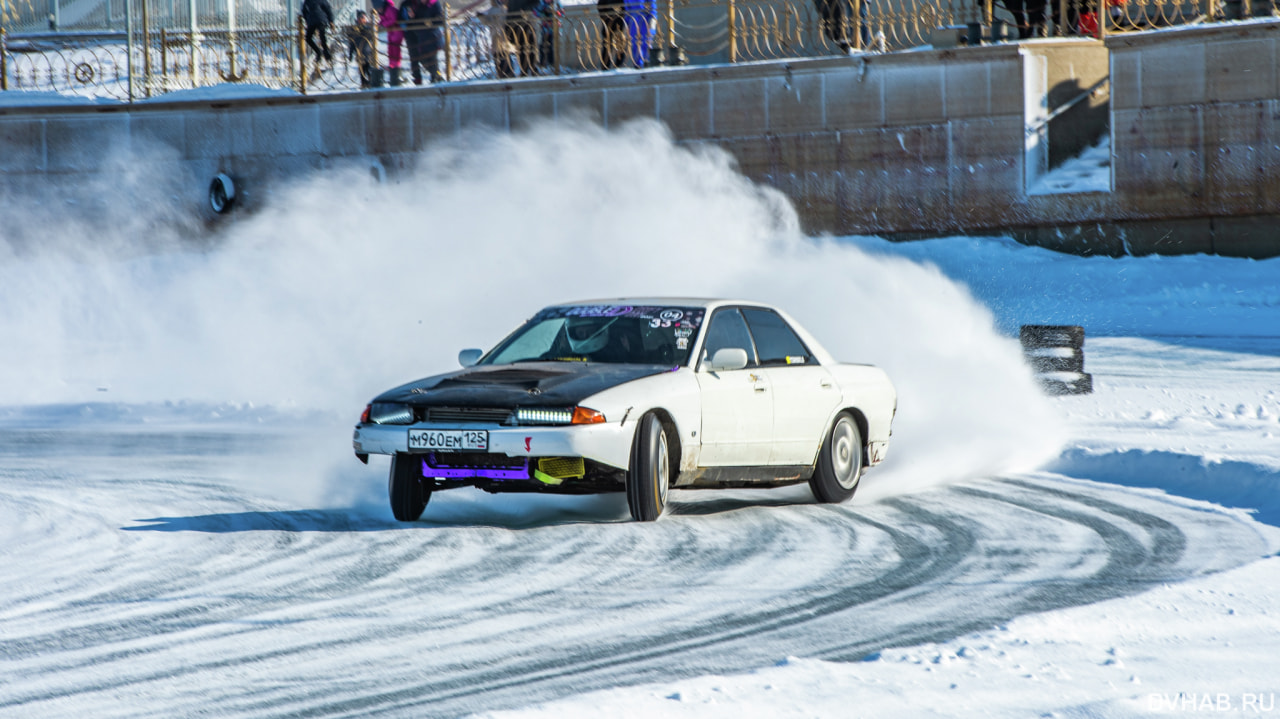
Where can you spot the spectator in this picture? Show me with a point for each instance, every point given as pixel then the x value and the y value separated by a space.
pixel 549 12
pixel 613 33
pixel 317 15
pixel 1028 15
pixel 423 23
pixel 361 42
pixel 524 33
pixel 503 50
pixel 388 17
pixel 641 17
pixel 839 25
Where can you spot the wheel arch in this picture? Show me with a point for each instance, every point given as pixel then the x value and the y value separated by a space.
pixel 864 426
pixel 674 443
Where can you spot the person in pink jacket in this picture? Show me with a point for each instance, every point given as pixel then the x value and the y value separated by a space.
pixel 388 17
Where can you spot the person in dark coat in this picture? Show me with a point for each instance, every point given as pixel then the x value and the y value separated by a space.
pixel 613 33
pixel 424 30
pixel 317 16
pixel 1028 15
pixel 361 42
pixel 839 24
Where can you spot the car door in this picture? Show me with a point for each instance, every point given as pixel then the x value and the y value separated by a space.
pixel 804 393
pixel 737 406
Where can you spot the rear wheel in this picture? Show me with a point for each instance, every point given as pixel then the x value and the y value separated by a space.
pixel 409 493
pixel 835 479
pixel 649 477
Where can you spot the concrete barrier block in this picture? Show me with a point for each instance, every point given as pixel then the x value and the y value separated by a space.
pixel 1168 237
pixel 580 105
pixel 207 133
pixel 1126 80
pixel 433 116
pixel 287 130
pixel 1173 74
pixel 1237 157
pixel 22 144
pixel 81 143
pixel 738 108
pixel 968 89
pixel 1159 159
pixel 526 108
pixel 627 103
pixel 388 126
pixel 984 166
pixel 477 110
pixel 343 130
pixel 795 103
pixel 686 109
pixel 855 96
pixel 914 94
pixel 168 129
pixel 1253 236
pixel 1006 86
pixel 1241 70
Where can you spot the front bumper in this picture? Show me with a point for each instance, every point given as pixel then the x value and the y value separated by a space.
pixel 608 443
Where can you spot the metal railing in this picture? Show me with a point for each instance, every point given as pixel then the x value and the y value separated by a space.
pixel 152 55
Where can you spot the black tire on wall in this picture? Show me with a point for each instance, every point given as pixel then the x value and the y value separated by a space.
pixel 222 193
pixel 409 492
pixel 649 476
pixel 839 469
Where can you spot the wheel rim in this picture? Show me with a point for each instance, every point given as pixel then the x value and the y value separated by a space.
pixel 845 453
pixel 662 467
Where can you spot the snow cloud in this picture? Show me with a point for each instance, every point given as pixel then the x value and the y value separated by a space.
pixel 341 287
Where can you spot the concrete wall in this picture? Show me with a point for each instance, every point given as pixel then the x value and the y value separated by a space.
pixel 903 144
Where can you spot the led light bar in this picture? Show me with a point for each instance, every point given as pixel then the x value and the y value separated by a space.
pixel 538 415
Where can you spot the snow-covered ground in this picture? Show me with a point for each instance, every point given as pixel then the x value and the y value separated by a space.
pixel 183 529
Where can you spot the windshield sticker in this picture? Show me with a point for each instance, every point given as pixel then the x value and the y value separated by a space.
pixel 682 343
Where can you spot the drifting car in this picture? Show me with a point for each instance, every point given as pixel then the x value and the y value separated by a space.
pixel 636 395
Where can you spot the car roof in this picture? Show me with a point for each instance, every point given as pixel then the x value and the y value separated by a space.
pixel 706 302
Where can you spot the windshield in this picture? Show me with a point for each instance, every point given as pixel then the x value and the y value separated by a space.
pixel 624 334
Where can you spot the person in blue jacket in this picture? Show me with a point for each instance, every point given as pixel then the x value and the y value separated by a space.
pixel 642 18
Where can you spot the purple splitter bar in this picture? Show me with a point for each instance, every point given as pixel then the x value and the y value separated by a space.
pixel 464 472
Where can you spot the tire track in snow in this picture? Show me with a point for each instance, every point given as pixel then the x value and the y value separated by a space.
pixel 314 613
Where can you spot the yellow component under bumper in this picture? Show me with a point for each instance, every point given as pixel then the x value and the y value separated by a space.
pixel 555 470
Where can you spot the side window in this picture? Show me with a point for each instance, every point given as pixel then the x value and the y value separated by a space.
pixel 727 329
pixel 776 342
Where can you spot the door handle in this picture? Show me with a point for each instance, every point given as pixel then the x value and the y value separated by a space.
pixel 761 389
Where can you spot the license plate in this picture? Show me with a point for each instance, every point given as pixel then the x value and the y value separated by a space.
pixel 448 440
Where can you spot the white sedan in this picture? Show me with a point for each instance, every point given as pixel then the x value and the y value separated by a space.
pixel 635 395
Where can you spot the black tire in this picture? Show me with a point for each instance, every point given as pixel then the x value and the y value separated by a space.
pixel 222 193
pixel 835 479
pixel 649 477
pixel 409 492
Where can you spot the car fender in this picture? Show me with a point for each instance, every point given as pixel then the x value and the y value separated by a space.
pixel 673 393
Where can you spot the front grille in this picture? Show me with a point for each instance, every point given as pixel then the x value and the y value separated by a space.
pixel 485 415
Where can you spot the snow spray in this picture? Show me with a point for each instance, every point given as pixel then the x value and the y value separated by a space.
pixel 341 286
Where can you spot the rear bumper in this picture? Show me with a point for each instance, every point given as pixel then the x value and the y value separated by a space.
pixel 607 443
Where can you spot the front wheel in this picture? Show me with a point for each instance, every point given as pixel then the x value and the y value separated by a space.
pixel 409 493
pixel 835 479
pixel 649 476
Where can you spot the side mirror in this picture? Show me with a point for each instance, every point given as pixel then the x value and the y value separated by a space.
pixel 468 358
pixel 728 358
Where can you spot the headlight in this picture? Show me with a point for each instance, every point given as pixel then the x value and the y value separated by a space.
pixel 569 415
pixel 390 413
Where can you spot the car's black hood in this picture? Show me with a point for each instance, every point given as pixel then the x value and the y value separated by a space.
pixel 525 384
